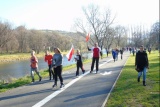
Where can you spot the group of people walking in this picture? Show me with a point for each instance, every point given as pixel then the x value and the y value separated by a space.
pixel 55 63
pixel 115 53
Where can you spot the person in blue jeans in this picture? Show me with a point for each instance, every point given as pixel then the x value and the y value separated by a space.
pixel 114 54
pixel 141 64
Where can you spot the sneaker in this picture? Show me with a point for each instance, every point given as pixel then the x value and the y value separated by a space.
pixel 54 86
pixel 62 85
pixel 91 71
pixel 32 80
pixel 40 78
pixel 83 71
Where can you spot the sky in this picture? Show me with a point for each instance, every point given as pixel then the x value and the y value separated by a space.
pixel 61 14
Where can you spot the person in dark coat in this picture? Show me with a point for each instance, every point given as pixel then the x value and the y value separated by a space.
pixel 114 55
pixel 107 51
pixel 141 64
pixel 79 63
pixel 121 52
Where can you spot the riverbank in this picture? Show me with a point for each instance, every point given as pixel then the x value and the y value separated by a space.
pixel 6 58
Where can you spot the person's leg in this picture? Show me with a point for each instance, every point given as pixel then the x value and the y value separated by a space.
pixel 37 72
pixel 32 74
pixel 51 72
pixel 49 66
pixel 139 76
pixel 92 66
pixel 81 66
pixel 59 73
pixel 144 76
pixel 97 65
pixel 77 72
pixel 55 78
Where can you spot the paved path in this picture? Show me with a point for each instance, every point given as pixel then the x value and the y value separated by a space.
pixel 89 90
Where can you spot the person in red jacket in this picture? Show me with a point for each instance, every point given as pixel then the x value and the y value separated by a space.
pixel 34 66
pixel 48 59
pixel 96 53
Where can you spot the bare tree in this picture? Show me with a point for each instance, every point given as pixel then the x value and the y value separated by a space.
pixel 97 24
pixel 154 38
pixel 120 35
pixel 21 35
pixel 5 34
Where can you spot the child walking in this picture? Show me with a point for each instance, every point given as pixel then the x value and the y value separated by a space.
pixel 79 63
pixel 48 59
pixel 34 66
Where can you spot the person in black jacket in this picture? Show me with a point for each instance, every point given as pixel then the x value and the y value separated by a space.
pixel 141 64
pixel 79 64
pixel 121 52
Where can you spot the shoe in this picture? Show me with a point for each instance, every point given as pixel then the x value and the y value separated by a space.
pixel 144 83
pixel 40 78
pixel 55 85
pixel 83 71
pixel 62 85
pixel 32 80
pixel 91 71
pixel 138 79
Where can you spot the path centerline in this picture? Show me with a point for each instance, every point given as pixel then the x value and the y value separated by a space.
pixel 54 94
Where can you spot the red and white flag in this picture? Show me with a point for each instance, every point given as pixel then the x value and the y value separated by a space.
pixel 71 52
pixel 87 37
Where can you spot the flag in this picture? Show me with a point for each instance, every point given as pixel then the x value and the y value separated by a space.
pixel 70 53
pixel 87 37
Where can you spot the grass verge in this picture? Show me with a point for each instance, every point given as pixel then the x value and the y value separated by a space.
pixel 129 93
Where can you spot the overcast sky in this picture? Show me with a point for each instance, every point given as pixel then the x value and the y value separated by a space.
pixel 61 14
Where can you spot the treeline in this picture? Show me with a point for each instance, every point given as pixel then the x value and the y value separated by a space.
pixel 22 40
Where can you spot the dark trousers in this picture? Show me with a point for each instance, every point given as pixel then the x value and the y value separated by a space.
pixel 50 72
pixel 79 65
pixel 121 56
pixel 58 73
pixel 97 63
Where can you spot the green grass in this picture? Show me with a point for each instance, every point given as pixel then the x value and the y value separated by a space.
pixel 129 93
pixel 4 58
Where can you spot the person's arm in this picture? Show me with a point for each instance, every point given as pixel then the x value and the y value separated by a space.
pixel 36 60
pixel 45 58
pixel 136 60
pixel 53 61
pixel 58 61
pixel 147 61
